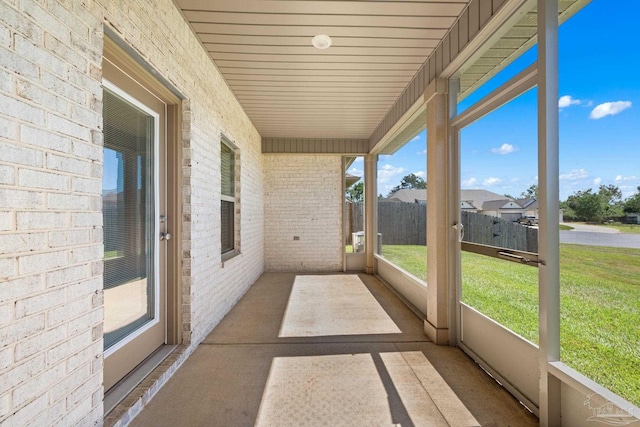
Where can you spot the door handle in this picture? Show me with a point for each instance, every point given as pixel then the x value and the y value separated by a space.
pixel 165 236
pixel 460 228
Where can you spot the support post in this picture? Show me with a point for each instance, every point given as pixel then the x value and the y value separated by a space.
pixel 439 221
pixel 371 211
pixel 549 245
pixel 453 204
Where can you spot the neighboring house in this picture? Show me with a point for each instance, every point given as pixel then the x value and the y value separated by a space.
pixel 410 195
pixel 467 205
pixel 479 197
pixel 480 201
pixel 505 209
pixel 633 218
pixel 530 204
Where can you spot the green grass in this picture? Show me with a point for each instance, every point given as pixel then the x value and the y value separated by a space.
pixel 625 228
pixel 566 227
pixel 411 258
pixel 600 305
pixel 111 254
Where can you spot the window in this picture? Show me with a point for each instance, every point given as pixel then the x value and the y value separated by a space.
pixel 229 198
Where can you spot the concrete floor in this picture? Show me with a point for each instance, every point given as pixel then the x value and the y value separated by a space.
pixel 328 350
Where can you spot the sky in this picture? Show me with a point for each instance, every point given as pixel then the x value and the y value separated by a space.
pixel 598 106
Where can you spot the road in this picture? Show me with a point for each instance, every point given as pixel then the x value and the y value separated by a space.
pixel 594 235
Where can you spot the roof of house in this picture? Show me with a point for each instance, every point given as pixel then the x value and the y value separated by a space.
pixel 408 196
pixel 478 197
pixel 528 202
pixel 473 197
pixel 495 205
pixel 467 205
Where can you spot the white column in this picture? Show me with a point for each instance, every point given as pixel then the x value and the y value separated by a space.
pixel 454 214
pixel 549 245
pixel 371 210
pixel 439 220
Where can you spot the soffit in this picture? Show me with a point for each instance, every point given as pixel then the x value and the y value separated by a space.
pixel 290 89
pixel 516 40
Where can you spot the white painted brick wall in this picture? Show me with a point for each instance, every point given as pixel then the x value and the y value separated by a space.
pixel 51 304
pixel 46 290
pixel 303 198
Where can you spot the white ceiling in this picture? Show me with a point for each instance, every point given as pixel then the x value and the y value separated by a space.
pixel 290 89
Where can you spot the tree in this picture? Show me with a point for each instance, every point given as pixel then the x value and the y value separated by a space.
pixel 611 198
pixel 587 205
pixel 410 181
pixel 611 194
pixel 532 191
pixel 632 203
pixel 355 193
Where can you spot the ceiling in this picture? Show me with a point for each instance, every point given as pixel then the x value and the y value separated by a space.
pixel 289 88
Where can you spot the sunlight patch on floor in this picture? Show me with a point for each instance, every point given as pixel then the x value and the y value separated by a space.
pixel 333 306
pixel 376 389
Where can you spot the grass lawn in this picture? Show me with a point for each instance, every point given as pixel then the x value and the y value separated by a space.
pixel 600 305
pixel 110 254
pixel 625 228
pixel 566 227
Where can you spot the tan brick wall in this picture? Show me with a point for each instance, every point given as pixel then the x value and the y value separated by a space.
pixel 303 198
pixel 50 195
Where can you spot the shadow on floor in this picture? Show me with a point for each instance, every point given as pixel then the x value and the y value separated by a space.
pixel 327 350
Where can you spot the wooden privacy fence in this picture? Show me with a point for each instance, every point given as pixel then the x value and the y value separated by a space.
pixel 493 231
pixel 398 223
pixel 406 224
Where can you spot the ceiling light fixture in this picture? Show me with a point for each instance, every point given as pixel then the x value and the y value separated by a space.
pixel 321 41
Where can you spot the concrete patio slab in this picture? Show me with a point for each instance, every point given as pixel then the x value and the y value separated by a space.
pixel 378 372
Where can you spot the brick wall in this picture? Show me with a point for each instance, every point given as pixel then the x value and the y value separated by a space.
pixel 51 305
pixel 50 220
pixel 303 198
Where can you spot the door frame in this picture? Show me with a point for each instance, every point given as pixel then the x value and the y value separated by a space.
pixel 520 380
pixel 130 63
pixel 159 262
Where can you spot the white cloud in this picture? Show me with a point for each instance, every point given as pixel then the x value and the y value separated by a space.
pixel 415 138
pixel 356 172
pixel 387 172
pixel 491 181
pixel 574 175
pixel 567 101
pixel 420 174
pixel 469 182
pixel 625 178
pixel 359 160
pixel 597 181
pixel 422 153
pixel 609 109
pixel 504 149
pixel 629 190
